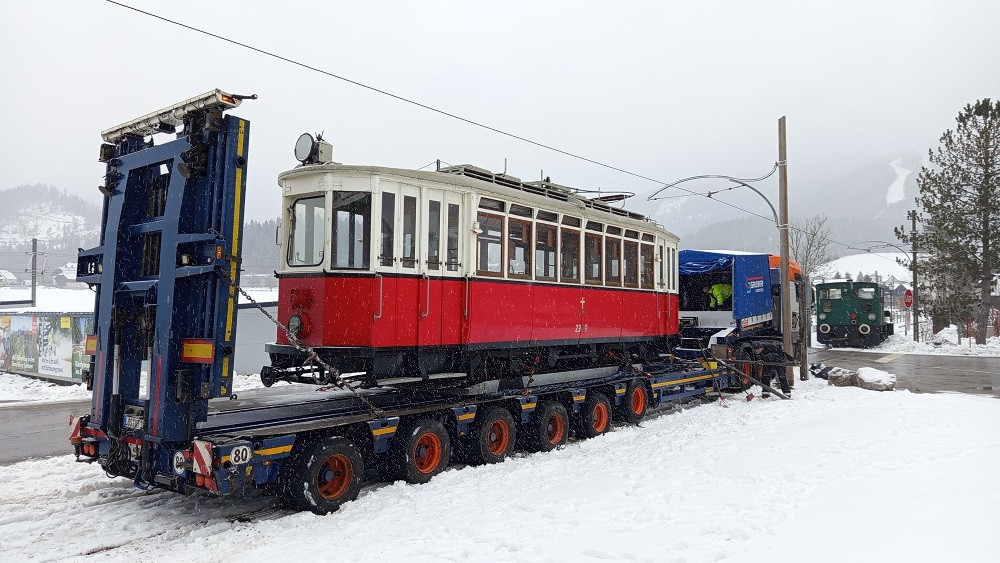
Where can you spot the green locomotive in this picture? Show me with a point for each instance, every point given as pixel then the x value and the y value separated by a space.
pixel 851 314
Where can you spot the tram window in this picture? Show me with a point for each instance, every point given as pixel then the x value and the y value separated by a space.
pixel 492 204
pixel 409 257
pixel 569 255
pixel 518 248
pixel 614 230
pixel 305 237
pixel 433 235
pixel 631 264
pixel 452 256
pixel 613 261
pixel 349 240
pixel 631 234
pixel 547 216
pixel 663 279
pixel 521 210
pixel 490 245
pixel 545 251
pixel 595 226
pixel 571 221
pixel 592 258
pixel 673 268
pixel 646 266
pixel 388 228
pixel 830 293
pixel 647 237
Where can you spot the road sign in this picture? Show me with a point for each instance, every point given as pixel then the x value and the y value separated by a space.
pixel 908 298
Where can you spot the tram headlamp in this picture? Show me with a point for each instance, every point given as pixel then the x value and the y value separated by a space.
pixel 822 316
pixel 304 148
pixel 871 316
pixel 295 325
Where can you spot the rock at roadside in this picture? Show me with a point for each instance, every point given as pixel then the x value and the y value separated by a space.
pixel 876 379
pixel 842 377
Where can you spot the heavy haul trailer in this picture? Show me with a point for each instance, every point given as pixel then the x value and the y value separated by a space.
pixel 166 275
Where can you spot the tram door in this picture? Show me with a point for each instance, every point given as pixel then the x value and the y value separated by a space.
pixel 408 284
pixel 433 264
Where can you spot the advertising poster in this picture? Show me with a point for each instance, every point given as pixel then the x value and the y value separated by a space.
pixel 81 326
pixel 23 343
pixel 55 346
pixel 5 343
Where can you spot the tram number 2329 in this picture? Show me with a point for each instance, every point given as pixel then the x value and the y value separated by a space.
pixel 581 328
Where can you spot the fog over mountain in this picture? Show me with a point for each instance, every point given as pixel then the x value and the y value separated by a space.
pixel 861 205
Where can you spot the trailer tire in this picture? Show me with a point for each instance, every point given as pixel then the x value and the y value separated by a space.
pixel 594 418
pixel 548 428
pixel 323 475
pixel 634 403
pixel 492 437
pixel 422 451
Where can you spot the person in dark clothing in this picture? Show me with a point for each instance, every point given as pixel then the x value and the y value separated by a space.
pixel 773 358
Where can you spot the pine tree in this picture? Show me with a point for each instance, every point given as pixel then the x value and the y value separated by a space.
pixel 960 199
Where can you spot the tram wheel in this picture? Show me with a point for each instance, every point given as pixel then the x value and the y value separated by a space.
pixel 422 450
pixel 491 438
pixel 548 428
pixel 595 416
pixel 323 475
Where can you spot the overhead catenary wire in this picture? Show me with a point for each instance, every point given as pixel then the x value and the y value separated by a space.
pixel 458 117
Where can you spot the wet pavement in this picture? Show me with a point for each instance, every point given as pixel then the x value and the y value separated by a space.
pixel 922 373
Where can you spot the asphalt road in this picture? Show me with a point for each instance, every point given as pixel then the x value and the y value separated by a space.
pixel 36 431
pixel 922 373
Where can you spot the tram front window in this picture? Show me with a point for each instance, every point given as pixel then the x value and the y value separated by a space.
pixel 305 238
pixel 351 230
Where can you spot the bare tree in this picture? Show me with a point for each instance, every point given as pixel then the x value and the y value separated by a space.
pixel 809 243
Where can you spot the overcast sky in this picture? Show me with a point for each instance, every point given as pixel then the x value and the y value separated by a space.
pixel 664 89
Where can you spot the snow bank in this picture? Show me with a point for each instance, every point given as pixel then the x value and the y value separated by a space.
pixel 15 389
pixel 81 299
pixel 943 343
pixel 835 474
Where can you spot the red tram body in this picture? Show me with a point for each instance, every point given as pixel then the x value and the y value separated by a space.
pixel 461 272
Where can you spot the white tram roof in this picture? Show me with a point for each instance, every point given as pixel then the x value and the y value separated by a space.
pixel 480 180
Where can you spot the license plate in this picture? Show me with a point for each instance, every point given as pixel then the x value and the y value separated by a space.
pixel 132 423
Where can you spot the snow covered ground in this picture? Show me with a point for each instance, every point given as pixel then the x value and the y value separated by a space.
pixel 944 343
pixel 19 389
pixel 835 474
pixel 80 299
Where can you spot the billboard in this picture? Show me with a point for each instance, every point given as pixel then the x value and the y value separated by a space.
pixel 51 345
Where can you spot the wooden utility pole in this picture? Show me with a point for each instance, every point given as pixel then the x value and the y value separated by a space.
pixel 786 284
pixel 912 216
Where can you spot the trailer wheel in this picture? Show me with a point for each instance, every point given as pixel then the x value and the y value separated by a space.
pixel 548 428
pixel 323 475
pixel 595 416
pixel 491 438
pixel 634 404
pixel 423 450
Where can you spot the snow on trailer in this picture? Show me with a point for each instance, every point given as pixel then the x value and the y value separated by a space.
pixel 167 278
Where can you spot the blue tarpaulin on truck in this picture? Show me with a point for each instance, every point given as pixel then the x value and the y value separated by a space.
pixel 751 279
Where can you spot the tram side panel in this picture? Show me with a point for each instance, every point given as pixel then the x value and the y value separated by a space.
pixel 603 316
pixel 499 314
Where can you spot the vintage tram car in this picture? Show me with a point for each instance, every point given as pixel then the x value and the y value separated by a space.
pixel 463 274
pixel 851 314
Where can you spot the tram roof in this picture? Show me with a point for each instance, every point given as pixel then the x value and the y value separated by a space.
pixel 479 179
